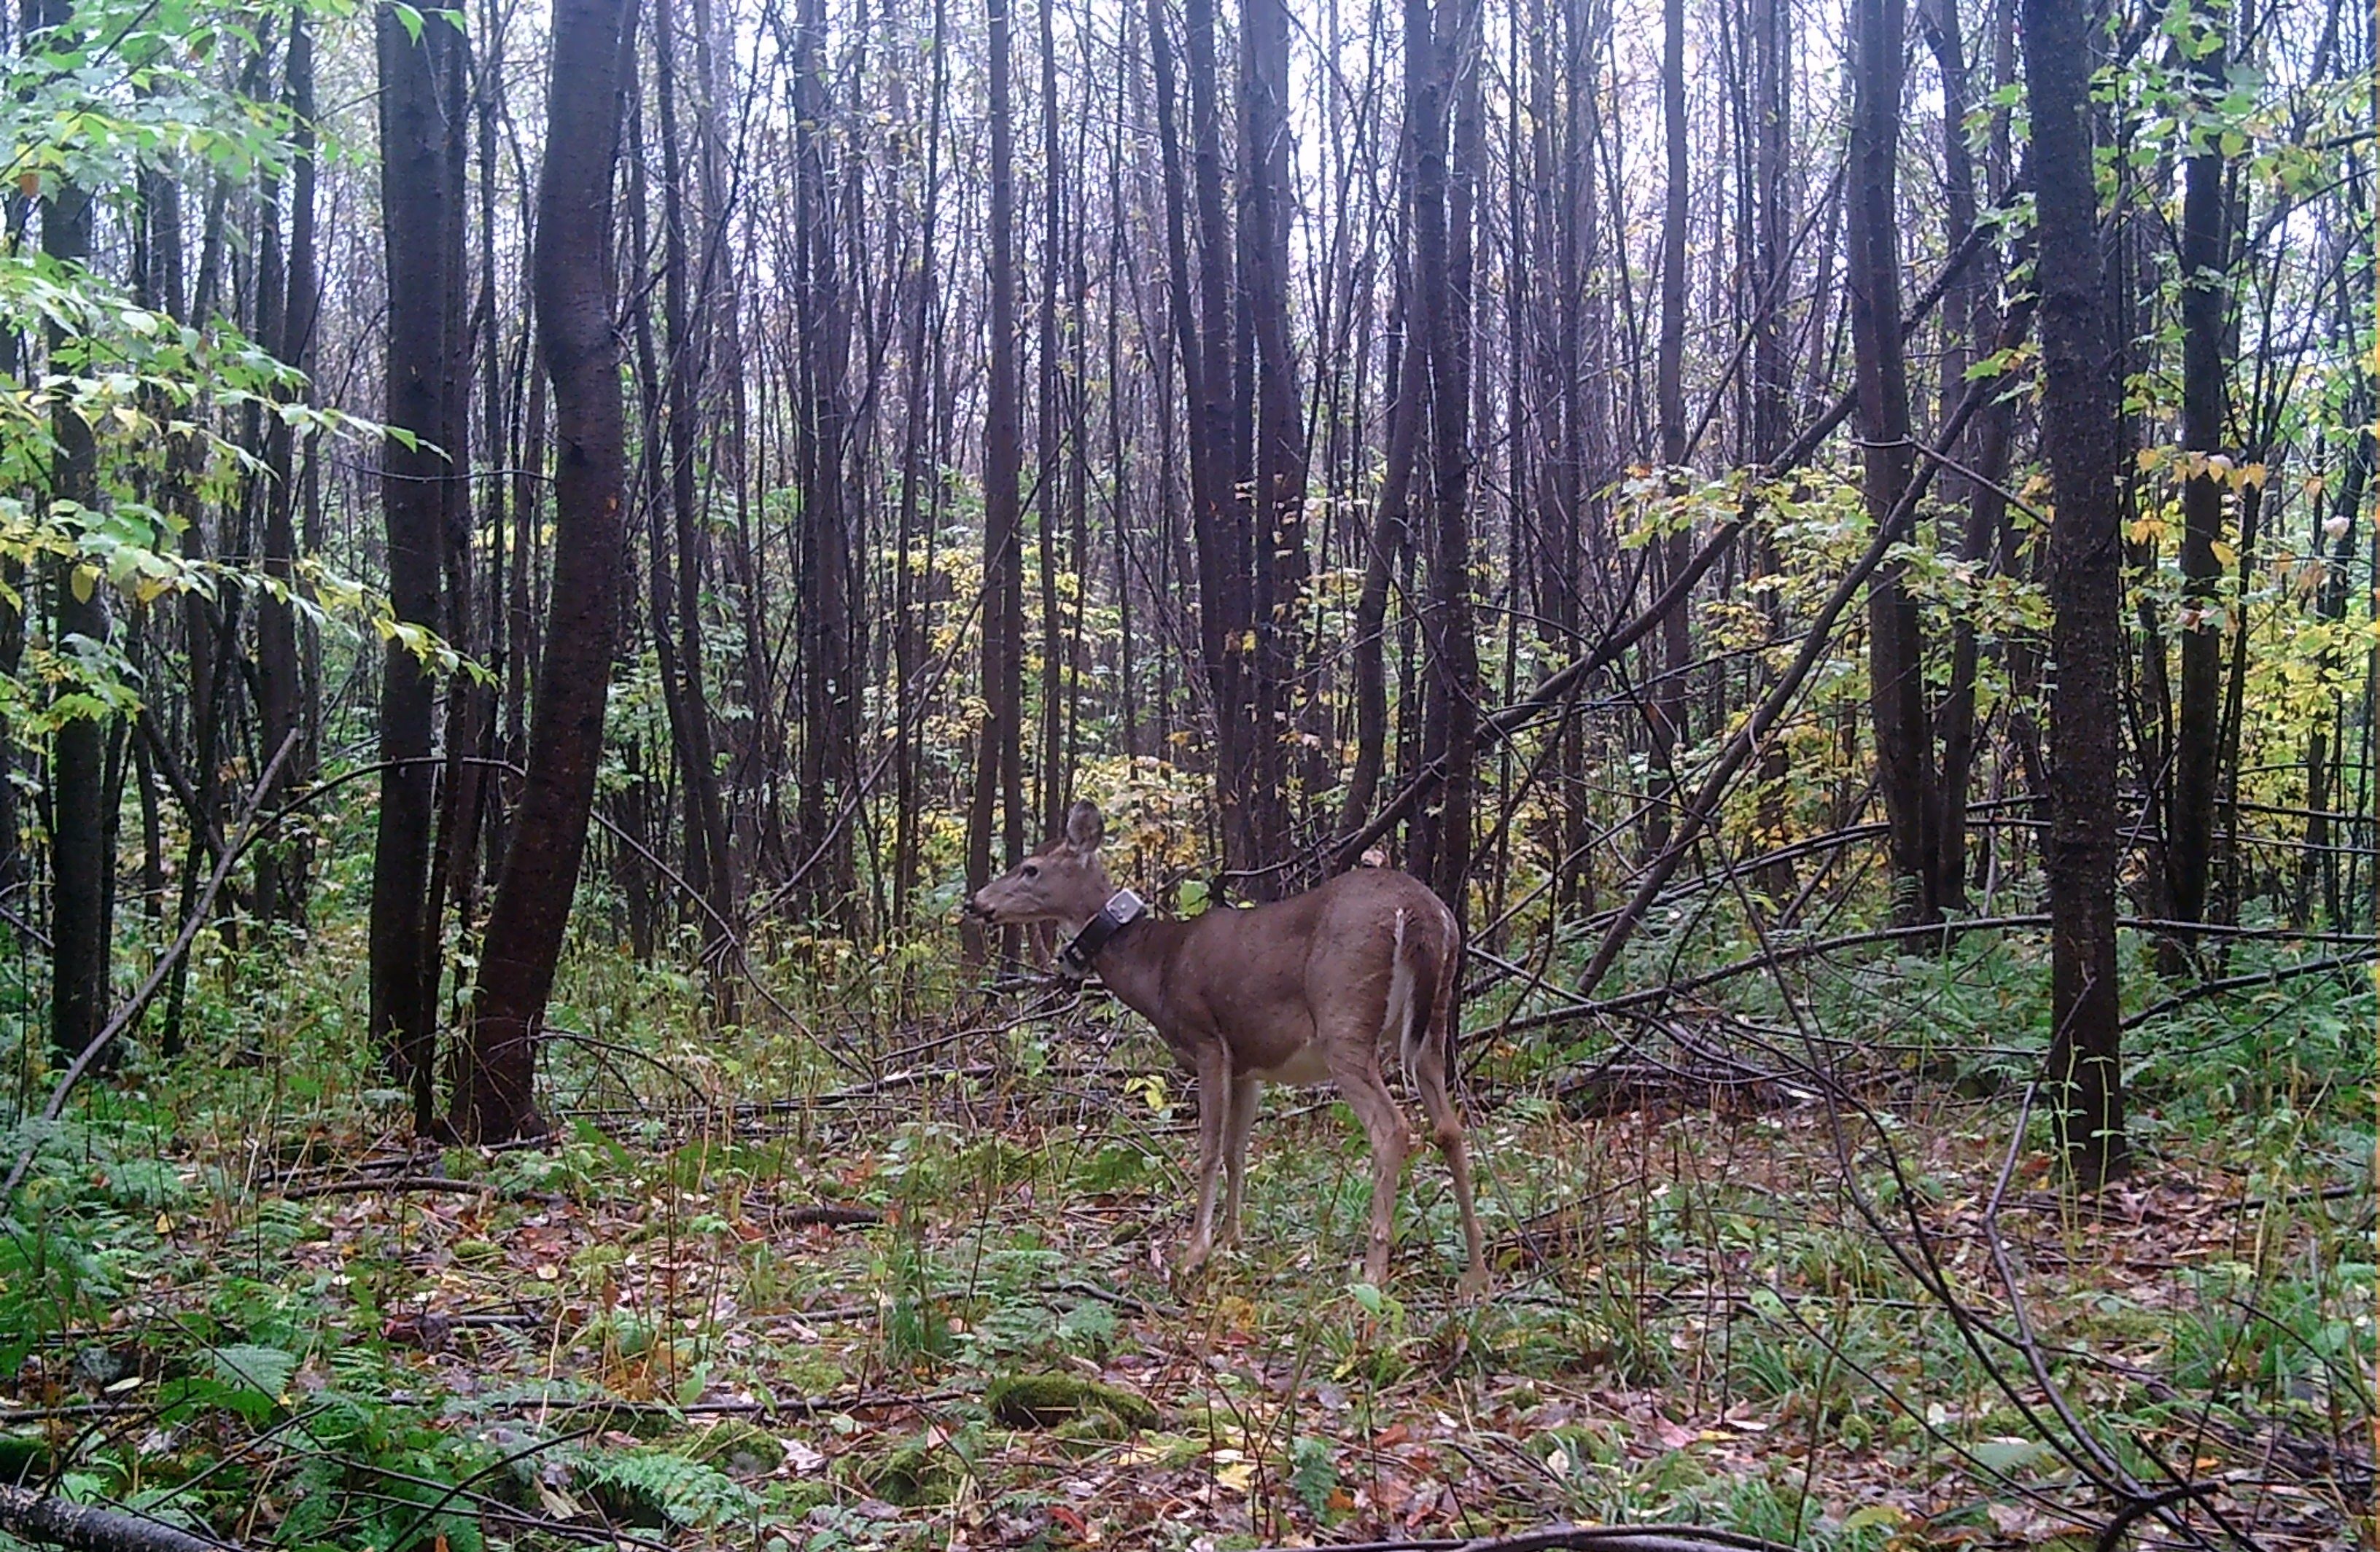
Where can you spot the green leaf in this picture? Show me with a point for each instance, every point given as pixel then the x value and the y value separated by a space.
pixel 265 1370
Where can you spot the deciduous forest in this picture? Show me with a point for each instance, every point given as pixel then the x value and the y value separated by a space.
pixel 1445 776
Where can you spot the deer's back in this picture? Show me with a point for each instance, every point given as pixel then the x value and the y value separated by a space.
pixel 1268 966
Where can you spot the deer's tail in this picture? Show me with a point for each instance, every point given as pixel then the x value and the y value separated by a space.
pixel 1421 988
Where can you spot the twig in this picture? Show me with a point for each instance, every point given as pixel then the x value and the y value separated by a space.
pixel 132 1011
pixel 2250 982
pixel 388 1182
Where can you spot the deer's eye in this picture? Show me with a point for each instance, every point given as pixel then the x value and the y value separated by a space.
pixel 1032 870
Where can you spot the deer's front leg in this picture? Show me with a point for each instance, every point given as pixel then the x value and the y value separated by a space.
pixel 1213 1066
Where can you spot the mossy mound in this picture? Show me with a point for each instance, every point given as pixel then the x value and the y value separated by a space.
pixel 732 1444
pixel 1045 1401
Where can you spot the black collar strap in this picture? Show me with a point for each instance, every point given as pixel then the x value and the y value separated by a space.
pixel 1123 909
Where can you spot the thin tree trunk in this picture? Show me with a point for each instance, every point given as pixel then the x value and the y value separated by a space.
pixel 2204 258
pixel 687 361
pixel 1439 55
pixel 1281 564
pixel 1896 647
pixel 79 929
pixel 413 186
pixel 1668 704
pixel 996 745
pixel 282 867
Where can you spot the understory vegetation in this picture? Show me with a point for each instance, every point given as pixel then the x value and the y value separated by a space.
pixel 1780 1258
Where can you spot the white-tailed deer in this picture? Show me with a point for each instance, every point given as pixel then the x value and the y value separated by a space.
pixel 1303 991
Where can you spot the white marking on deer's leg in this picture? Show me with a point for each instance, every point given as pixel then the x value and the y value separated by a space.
pixel 1214 1106
pixel 1397 1024
pixel 1244 1098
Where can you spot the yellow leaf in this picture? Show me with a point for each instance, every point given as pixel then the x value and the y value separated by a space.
pixel 2148 458
pixel 164 1224
pixel 83 580
pixel 2251 474
pixel 2224 555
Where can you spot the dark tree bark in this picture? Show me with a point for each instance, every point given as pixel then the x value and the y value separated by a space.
pixel 1282 562
pixel 908 624
pixel 996 745
pixel 79 929
pixel 1226 565
pixel 830 660
pixel 1669 702
pixel 282 866
pixel 573 280
pixel 2204 260
pixel 1896 647
pixel 1439 54
pixel 1772 387
pixel 1050 424
pixel 414 187
pixel 2081 439
pixel 707 837
pixel 1408 408
pixel 1971 322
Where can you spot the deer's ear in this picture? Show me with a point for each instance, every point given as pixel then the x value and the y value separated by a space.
pixel 1084 829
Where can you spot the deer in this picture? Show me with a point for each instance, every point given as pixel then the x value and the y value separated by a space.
pixel 1304 991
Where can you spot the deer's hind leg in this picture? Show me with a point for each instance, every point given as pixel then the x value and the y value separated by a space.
pixel 1215 1087
pixel 1359 1082
pixel 1238 1120
pixel 1446 1131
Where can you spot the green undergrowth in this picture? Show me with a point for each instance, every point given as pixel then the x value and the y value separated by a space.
pixel 1725 1306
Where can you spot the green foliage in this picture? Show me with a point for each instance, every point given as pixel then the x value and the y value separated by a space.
pixel 656 1487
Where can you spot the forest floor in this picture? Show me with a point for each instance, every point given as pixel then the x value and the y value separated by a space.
pixel 744 1302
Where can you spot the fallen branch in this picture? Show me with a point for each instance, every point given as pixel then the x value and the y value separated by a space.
pixel 2250 983
pixel 367 1183
pixel 34 1515
pixel 1576 1538
pixel 827 1217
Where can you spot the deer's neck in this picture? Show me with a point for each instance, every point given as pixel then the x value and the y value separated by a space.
pixel 1133 965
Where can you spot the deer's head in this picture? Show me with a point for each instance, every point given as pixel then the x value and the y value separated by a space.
pixel 1063 882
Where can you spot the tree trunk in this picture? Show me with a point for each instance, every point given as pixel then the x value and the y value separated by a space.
pixel 1772 387
pixel 1669 702
pixel 573 280
pixel 413 196
pixel 2203 255
pixel 1226 565
pixel 1969 323
pixel 1896 649
pixel 79 929
pixel 687 361
pixel 282 864
pixel 1438 70
pixel 1279 552
pixel 997 752
pixel 2081 440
